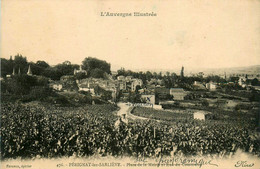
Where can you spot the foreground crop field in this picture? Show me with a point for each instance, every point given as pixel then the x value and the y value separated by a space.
pixel 31 130
pixel 34 130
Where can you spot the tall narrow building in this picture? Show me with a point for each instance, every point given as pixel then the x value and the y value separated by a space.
pixel 19 71
pixel 29 72
pixel 182 71
pixel 13 72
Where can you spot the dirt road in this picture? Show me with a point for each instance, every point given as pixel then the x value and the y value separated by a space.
pixel 126 109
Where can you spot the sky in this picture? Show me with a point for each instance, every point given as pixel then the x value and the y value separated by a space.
pixel 193 34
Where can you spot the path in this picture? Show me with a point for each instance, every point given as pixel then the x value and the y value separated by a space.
pixel 126 109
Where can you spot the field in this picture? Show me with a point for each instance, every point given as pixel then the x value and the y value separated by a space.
pixel 163 115
pixel 216 115
pixel 30 130
pixel 47 131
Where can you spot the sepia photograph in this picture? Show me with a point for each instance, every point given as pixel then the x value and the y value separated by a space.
pixel 130 84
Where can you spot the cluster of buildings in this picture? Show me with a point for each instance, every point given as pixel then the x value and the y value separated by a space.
pixel 243 81
pixel 128 82
pixel 120 85
pixel 211 86
pixel 111 83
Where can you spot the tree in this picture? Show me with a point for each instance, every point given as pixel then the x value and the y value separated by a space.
pixel 134 97
pixel 66 68
pixel 234 79
pixel 255 96
pixel 20 84
pixel 106 95
pixel 155 74
pixel 42 64
pixel 36 69
pixel 121 72
pixel 90 64
pixel 42 81
pixel 159 75
pixel 137 88
pixel 255 82
pixel 39 93
pixel 6 67
pixel 149 75
pixel 214 78
pixel 168 81
pixel 142 76
pixel 69 83
pixel 20 62
pixel 80 75
pixel 53 73
pixel 205 103
pixel 97 73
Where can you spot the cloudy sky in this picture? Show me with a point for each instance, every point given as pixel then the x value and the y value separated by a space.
pixel 195 34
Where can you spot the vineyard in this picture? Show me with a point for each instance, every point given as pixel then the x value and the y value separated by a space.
pixel 162 115
pixel 30 131
pixel 249 118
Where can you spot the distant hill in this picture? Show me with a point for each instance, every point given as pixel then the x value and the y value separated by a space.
pixel 236 70
pixel 208 71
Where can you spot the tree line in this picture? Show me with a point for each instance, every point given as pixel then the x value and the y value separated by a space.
pixel 94 67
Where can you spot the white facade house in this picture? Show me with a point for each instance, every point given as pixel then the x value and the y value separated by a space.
pixel 211 86
pixel 120 77
pixel 177 93
pixel 135 83
pixel 241 82
pixel 90 90
pixel 196 82
pixel 128 78
pixel 57 87
pixel 159 107
pixel 199 115
pixel 87 87
pixel 198 85
pixel 80 71
pixel 122 85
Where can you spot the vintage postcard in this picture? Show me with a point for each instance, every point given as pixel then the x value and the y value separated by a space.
pixel 130 84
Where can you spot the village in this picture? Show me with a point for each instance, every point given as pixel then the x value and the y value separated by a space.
pixel 89 97
pixel 197 93
pixel 154 94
